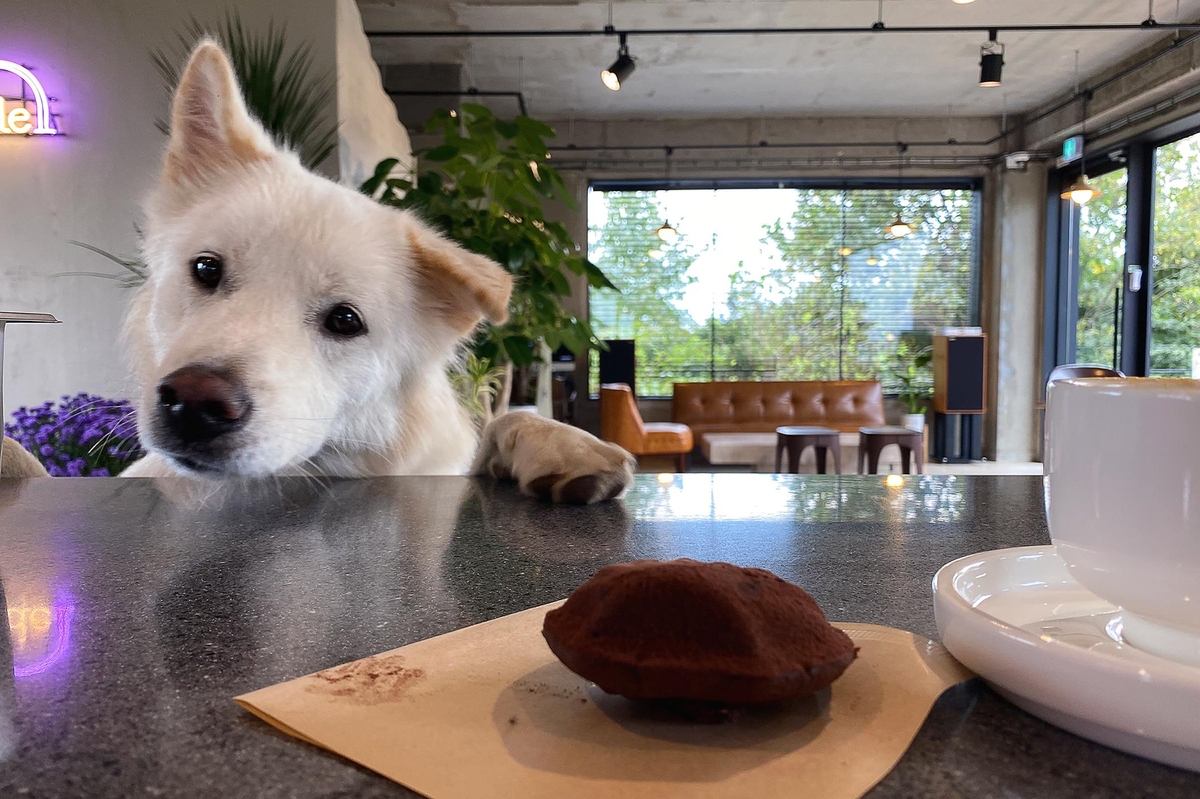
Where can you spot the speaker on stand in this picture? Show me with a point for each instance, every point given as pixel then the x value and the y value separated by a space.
pixel 959 396
pixel 618 364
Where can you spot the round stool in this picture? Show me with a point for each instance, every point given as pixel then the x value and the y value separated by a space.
pixel 797 439
pixel 872 440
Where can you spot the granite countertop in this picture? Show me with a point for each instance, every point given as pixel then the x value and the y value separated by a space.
pixel 135 615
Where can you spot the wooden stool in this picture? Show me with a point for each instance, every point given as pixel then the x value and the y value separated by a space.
pixel 872 440
pixel 798 439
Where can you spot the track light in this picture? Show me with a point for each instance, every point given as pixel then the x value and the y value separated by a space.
pixel 1081 192
pixel 621 69
pixel 991 61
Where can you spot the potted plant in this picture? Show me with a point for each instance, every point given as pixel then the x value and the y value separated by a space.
pixel 484 186
pixel 282 89
pixel 84 436
pixel 911 371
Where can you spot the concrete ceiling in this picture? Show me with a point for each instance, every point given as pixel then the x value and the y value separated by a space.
pixel 739 76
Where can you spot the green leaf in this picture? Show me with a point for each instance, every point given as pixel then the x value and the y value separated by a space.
pixel 475 111
pixel 519 350
pixel 372 184
pixel 443 153
pixel 281 85
pixel 531 127
pixel 596 278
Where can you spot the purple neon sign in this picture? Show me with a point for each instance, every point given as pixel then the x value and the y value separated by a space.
pixel 18 121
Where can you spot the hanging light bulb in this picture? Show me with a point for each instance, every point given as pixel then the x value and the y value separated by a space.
pixel 621 69
pixel 899 228
pixel 872 261
pixel 845 251
pixel 1081 192
pixel 666 232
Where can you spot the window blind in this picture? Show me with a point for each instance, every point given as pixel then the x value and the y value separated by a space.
pixel 779 284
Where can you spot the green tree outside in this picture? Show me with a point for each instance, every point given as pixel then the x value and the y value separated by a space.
pixel 1175 305
pixel 838 301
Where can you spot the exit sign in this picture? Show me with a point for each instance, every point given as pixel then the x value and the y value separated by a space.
pixel 1072 150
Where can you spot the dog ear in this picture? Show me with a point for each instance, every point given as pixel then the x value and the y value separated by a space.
pixel 211 130
pixel 462 288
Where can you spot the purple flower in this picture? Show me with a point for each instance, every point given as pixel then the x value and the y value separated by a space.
pixel 64 438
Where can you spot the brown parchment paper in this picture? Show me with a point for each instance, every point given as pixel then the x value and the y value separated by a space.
pixel 489 711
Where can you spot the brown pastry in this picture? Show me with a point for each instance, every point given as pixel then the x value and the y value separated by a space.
pixel 709 632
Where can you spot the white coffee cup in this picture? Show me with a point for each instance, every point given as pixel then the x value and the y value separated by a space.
pixel 1123 502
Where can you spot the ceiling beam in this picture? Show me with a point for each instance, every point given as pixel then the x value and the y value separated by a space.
pixel 1143 27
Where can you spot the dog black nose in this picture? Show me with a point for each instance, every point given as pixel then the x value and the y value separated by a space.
pixel 198 403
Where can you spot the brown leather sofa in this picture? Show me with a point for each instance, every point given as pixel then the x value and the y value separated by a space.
pixel 621 423
pixel 750 407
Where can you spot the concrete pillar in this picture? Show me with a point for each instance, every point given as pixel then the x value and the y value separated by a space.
pixel 1013 311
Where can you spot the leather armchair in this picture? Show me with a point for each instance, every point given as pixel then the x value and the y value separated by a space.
pixel 621 423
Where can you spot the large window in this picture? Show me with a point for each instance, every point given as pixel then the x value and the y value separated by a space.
pixel 1101 272
pixel 1175 305
pixel 779 283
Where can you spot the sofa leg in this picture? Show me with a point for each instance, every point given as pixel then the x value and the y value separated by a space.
pixel 683 462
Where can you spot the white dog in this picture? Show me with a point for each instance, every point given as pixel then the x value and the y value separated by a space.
pixel 294 326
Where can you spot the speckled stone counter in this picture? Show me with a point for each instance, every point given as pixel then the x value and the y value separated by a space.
pixel 136 613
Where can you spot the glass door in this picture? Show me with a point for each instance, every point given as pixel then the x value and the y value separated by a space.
pixel 1175 288
pixel 1099 284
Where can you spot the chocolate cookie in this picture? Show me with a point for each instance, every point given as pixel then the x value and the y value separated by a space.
pixel 708 632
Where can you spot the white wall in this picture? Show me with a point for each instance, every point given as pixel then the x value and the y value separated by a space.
pixel 86 185
pixel 368 129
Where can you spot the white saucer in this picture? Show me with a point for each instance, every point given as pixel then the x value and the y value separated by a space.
pixel 1018 619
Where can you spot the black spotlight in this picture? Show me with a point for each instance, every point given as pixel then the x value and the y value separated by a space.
pixel 991 61
pixel 621 69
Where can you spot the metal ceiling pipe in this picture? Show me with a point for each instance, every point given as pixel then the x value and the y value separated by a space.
pixel 1157 27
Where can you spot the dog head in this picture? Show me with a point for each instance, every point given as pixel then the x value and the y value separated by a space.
pixel 284 315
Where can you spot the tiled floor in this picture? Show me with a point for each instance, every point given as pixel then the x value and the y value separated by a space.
pixel 976 467
pixel 984 467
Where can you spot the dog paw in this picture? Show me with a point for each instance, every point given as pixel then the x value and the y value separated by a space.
pixel 553 461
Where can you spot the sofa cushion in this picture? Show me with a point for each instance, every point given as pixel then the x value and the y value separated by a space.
pixel 760 407
pixel 666 438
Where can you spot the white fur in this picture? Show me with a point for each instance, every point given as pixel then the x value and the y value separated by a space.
pixel 294 244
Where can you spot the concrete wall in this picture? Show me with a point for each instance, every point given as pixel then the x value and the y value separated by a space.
pixel 368 129
pixel 86 185
pixel 1013 311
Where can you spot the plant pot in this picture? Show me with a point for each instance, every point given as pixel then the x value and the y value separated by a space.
pixel 915 422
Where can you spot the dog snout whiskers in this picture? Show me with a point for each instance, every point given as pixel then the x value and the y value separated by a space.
pixel 196 404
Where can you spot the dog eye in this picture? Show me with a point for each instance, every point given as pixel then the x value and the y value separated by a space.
pixel 207 270
pixel 343 320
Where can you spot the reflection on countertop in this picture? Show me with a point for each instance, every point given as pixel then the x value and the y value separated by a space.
pixel 137 610
pixel 832 498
